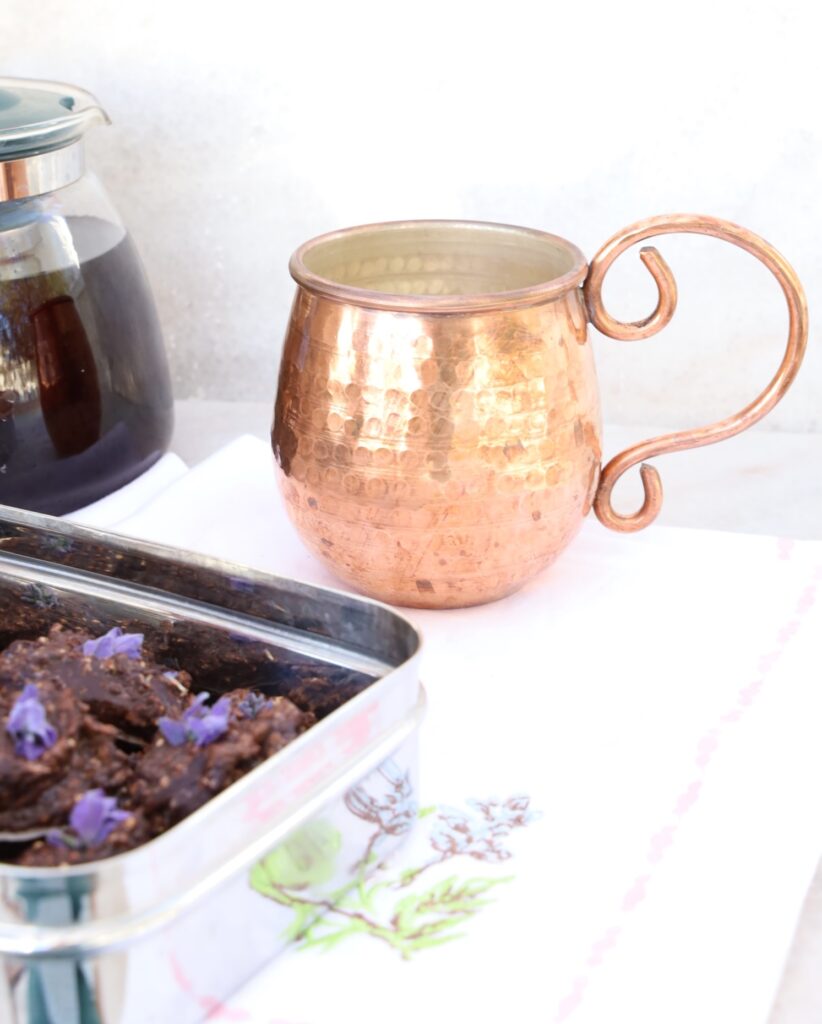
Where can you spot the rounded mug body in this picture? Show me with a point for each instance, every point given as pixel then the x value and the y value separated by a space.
pixel 437 424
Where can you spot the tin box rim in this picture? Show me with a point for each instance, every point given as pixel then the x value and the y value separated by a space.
pixel 401 670
pixel 39 520
pixel 102 934
pixel 210 809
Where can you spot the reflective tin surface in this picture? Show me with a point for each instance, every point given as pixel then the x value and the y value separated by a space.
pixel 161 932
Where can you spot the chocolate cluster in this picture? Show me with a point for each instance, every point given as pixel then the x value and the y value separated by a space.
pixel 103 748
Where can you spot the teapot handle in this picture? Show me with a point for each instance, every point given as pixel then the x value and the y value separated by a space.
pixel 661 316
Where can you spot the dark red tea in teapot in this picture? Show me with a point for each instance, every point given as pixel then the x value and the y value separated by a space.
pixel 85 397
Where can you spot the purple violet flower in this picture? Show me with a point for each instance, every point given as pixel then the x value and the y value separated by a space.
pixel 240 638
pixel 28 725
pixel 251 705
pixel 201 723
pixel 240 585
pixel 92 820
pixel 114 642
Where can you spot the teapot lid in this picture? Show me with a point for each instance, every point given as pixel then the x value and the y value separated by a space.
pixel 38 117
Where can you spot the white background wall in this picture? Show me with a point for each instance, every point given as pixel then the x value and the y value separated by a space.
pixel 241 129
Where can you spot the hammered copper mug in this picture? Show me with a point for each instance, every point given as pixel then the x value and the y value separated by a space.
pixel 437 423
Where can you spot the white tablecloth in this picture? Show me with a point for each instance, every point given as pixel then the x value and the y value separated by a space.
pixel 621 780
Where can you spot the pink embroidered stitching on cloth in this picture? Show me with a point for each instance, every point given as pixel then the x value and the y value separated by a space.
pixel 664 838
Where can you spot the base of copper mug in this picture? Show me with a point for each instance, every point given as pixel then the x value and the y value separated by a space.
pixel 369 558
pixel 437 602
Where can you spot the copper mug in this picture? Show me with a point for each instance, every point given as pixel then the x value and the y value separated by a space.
pixel 437 425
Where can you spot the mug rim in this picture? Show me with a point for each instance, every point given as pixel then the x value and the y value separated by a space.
pixel 531 295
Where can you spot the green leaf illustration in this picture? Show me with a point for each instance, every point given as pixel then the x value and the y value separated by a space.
pixel 304 918
pixel 306 858
pixel 422 919
pixel 448 902
pixel 332 938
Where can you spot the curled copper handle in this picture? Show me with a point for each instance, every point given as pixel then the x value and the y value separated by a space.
pixel 666 305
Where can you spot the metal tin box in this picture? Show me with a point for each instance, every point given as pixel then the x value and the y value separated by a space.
pixel 166 931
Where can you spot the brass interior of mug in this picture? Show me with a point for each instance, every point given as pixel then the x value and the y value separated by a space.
pixel 439 259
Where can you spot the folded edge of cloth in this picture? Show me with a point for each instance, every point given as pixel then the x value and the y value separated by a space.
pixel 130 499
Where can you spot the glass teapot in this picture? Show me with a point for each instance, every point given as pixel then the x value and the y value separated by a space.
pixel 85 395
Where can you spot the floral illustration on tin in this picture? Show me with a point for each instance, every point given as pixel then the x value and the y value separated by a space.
pixel 409 910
